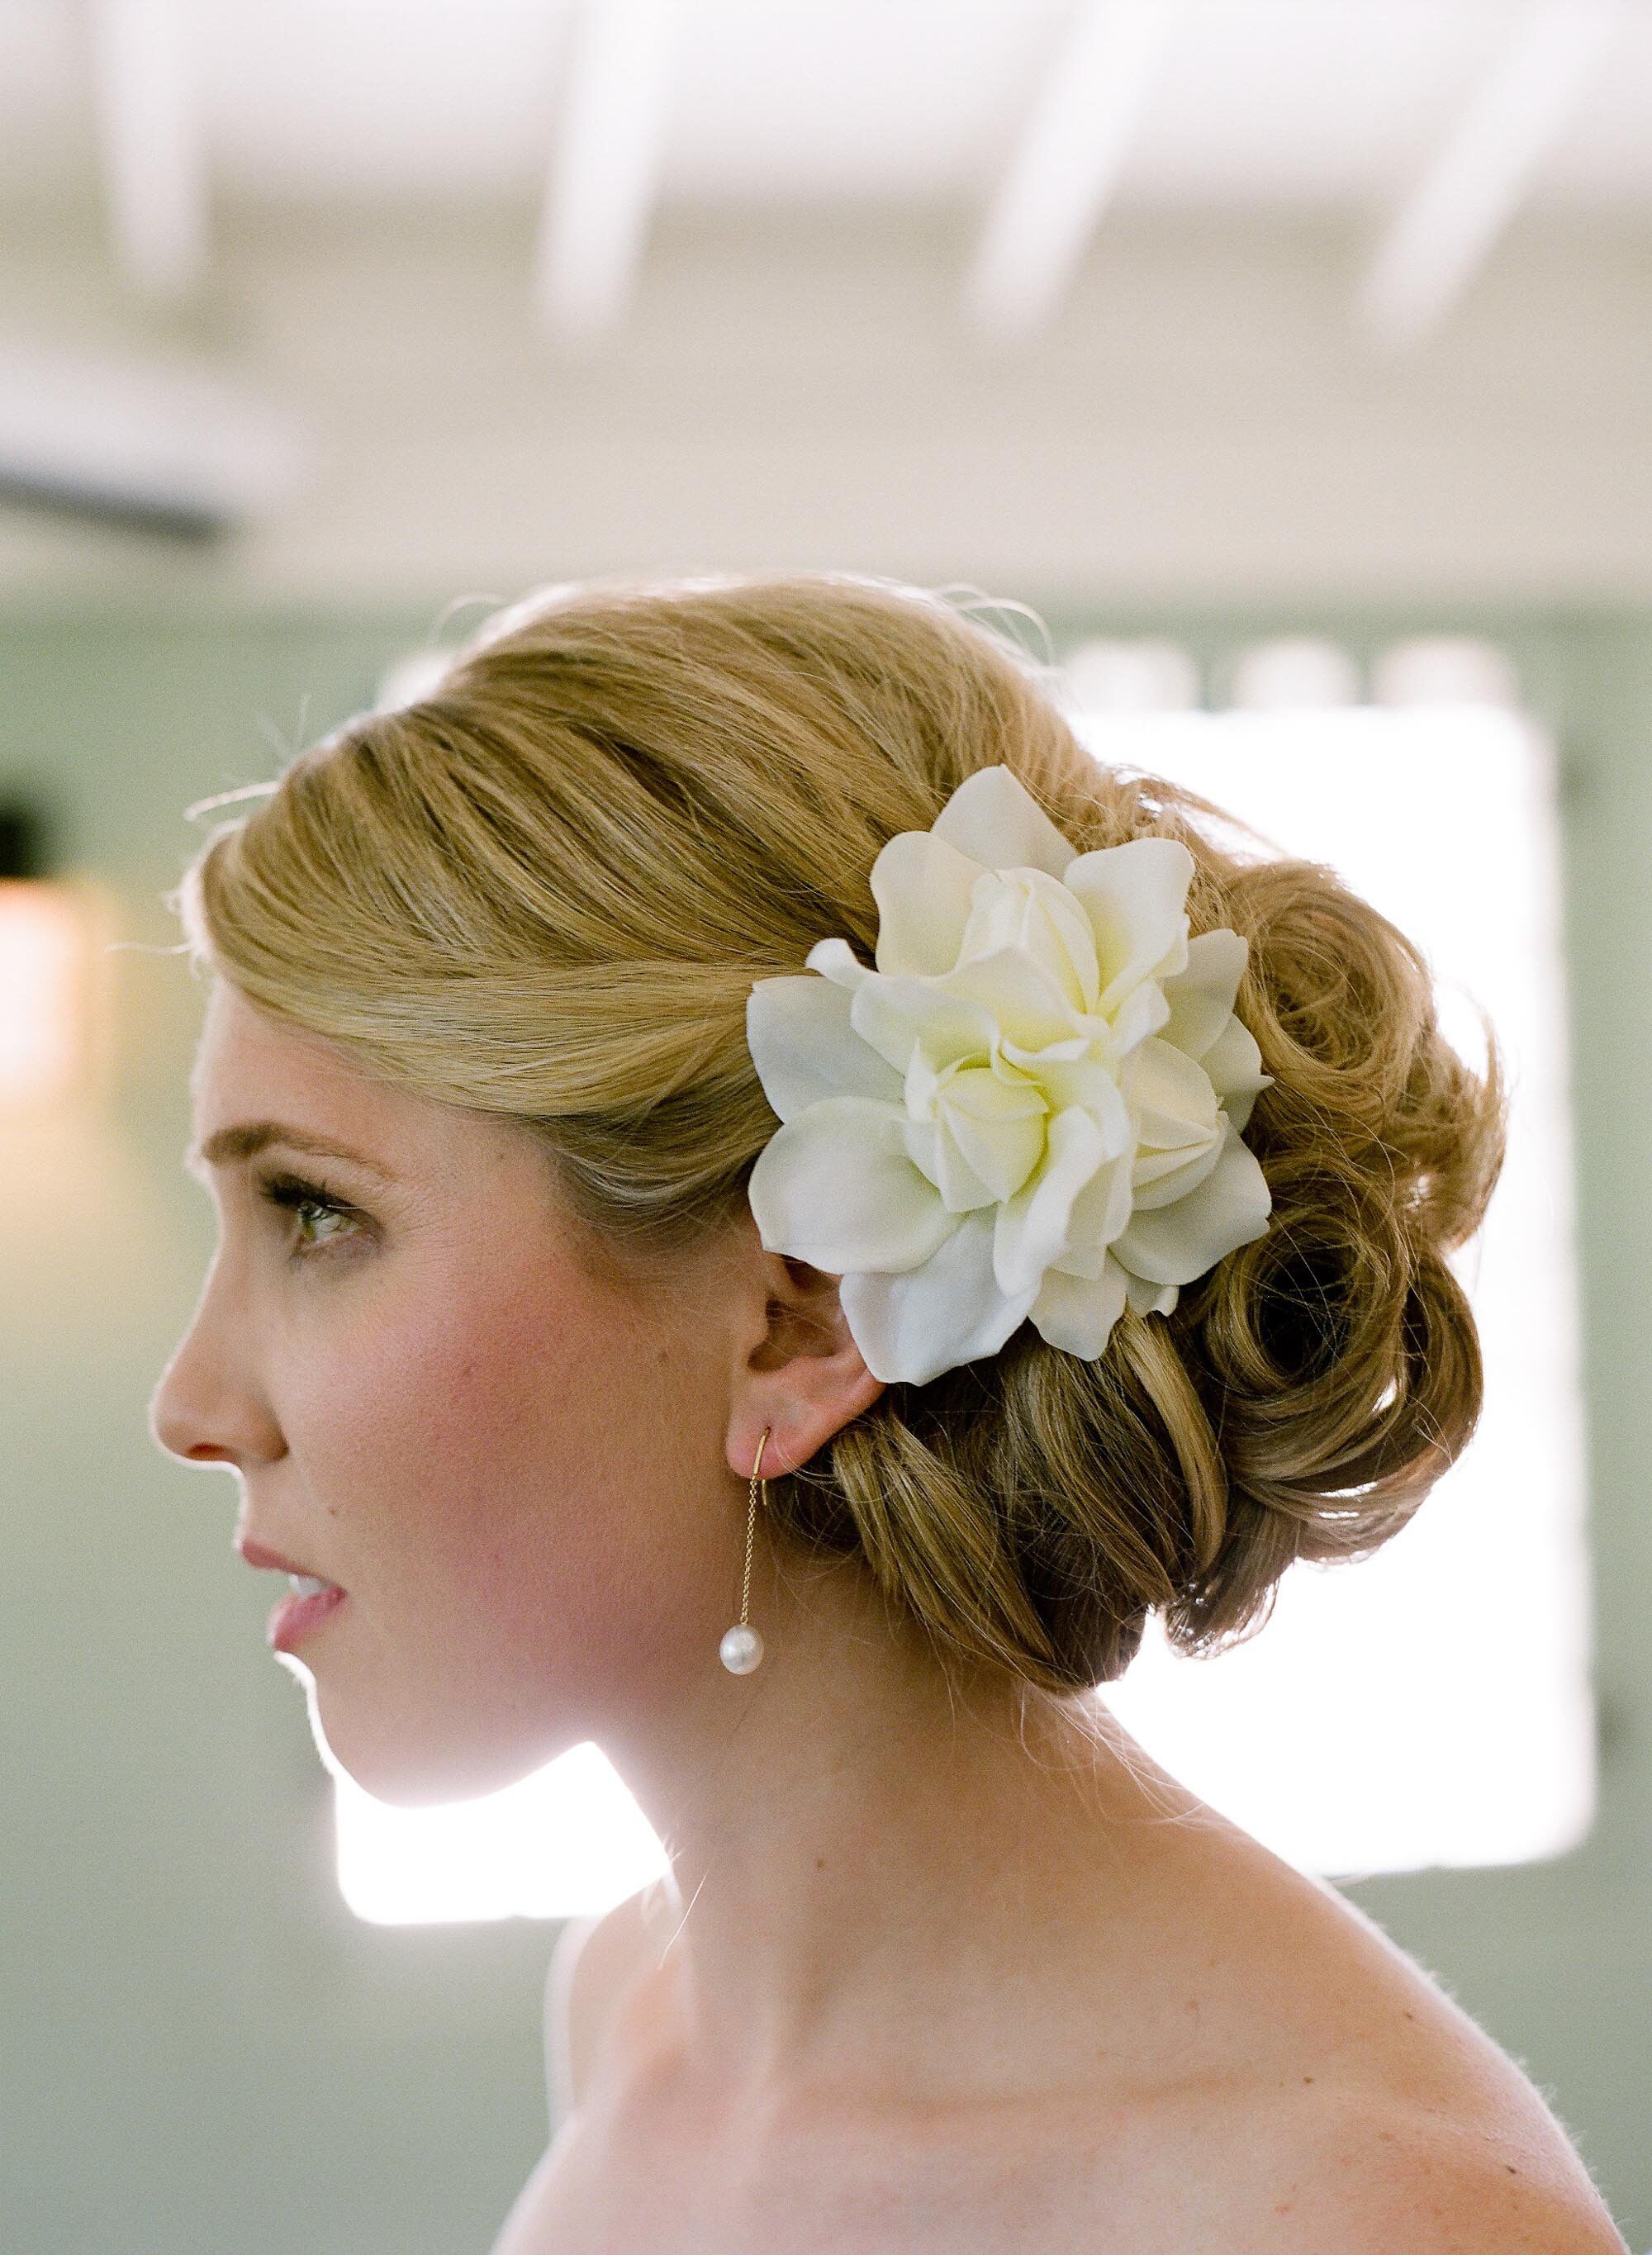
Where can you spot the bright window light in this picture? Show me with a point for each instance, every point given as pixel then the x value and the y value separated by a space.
pixel 1429 1705
pixel 42 952
pixel 566 1841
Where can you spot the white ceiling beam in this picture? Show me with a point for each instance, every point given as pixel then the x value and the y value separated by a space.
pixel 604 165
pixel 1446 228
pixel 1062 173
pixel 149 144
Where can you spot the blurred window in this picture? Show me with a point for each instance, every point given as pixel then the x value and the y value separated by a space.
pixel 1430 1704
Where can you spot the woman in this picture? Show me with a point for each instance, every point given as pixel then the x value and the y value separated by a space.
pixel 723 1093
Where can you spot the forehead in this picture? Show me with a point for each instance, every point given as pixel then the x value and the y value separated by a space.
pixel 427 1158
pixel 251 1070
pixel 245 1057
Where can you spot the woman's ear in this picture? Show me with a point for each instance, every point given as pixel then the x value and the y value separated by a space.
pixel 802 1380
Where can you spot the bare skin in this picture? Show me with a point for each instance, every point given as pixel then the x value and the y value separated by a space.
pixel 1217 2054
pixel 935 1968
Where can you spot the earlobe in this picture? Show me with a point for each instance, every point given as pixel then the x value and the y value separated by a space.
pixel 799 1420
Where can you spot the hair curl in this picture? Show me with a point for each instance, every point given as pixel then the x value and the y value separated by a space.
pixel 544 889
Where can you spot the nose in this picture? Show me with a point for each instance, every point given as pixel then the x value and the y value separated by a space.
pixel 203 1409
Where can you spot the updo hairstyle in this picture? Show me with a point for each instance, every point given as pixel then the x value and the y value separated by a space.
pixel 544 890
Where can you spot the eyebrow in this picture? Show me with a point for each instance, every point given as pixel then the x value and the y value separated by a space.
pixel 248 1137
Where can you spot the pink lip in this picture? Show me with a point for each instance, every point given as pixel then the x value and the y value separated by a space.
pixel 294 1618
pixel 256 1555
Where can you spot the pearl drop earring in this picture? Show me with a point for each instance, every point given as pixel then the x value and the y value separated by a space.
pixel 742 1647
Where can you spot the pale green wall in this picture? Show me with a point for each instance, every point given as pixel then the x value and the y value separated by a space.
pixel 203 2050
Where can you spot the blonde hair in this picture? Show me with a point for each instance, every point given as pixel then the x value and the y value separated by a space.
pixel 544 890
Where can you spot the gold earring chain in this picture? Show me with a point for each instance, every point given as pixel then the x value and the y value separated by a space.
pixel 751 1518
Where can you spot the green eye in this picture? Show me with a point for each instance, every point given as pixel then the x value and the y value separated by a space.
pixel 301 1197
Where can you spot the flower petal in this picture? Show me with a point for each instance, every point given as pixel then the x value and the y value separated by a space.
pixel 1135 894
pixel 1175 1244
pixel 805 1050
pixel 1143 1013
pixel 1233 1064
pixel 1078 1314
pixel 1099 1211
pixel 1033 1227
pixel 998 1127
pixel 1035 914
pixel 898 1016
pixel 835 1187
pixel 923 889
pixel 976 1131
pixel 994 818
pixel 1028 1007
pixel 1202 996
pixel 911 1327
pixel 1085 1081
pixel 836 960
pixel 1170 1099
pixel 1160 1178
pixel 934 1150
pixel 1145 1299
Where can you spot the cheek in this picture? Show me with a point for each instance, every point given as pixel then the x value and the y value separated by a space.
pixel 528 1475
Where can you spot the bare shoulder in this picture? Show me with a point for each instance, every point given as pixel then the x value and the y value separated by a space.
pixel 594 1963
pixel 1385 2120
pixel 1379 2175
pixel 1341 2101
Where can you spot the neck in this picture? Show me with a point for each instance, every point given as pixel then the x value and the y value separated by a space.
pixel 867 1858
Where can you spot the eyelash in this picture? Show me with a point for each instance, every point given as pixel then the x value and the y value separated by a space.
pixel 293 1193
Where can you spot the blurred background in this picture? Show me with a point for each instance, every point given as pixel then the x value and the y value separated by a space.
pixel 1291 360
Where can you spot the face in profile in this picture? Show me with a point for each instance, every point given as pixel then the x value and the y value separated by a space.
pixel 436 1392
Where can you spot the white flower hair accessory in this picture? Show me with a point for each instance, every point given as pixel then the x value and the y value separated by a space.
pixel 1031 1108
